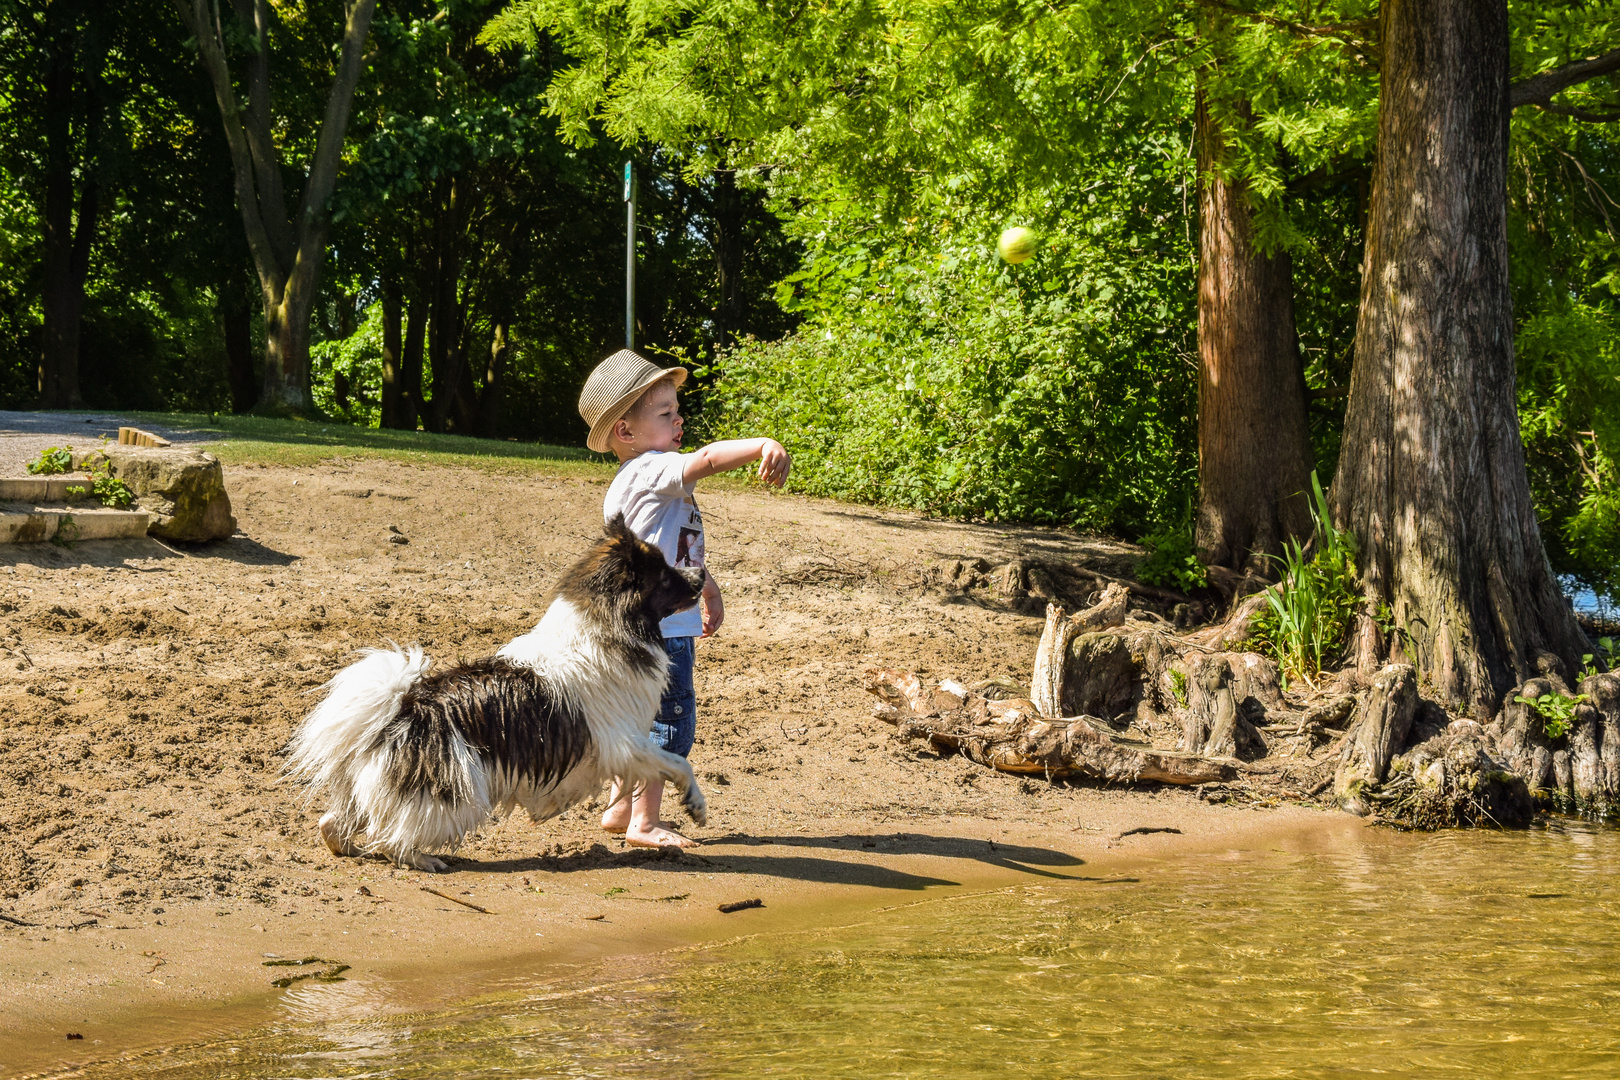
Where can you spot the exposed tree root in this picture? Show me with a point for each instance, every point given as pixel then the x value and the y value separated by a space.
pixel 1119 696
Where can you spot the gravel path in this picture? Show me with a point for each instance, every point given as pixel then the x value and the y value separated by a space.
pixel 24 435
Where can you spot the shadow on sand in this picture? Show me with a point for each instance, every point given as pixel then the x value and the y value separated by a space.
pixel 786 857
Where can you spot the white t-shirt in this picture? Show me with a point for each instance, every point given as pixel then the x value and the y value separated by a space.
pixel 657 504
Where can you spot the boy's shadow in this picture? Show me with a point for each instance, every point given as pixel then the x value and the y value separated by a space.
pixel 782 857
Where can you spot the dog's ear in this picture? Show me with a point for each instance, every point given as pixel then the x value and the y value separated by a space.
pixel 616 529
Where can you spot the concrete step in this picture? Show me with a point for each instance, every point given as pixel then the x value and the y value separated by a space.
pixel 71 525
pixel 44 488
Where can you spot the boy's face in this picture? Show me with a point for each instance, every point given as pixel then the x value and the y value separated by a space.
pixel 653 423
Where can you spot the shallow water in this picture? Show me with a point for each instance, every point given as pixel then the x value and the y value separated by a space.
pixel 1461 953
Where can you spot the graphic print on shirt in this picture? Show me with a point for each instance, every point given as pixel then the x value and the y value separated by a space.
pixel 689 541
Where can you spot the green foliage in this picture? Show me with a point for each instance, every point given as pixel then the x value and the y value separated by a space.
pixel 1172 559
pixel 113 492
pixel 357 360
pixel 52 461
pixel 1608 653
pixel 948 383
pixel 1556 710
pixel 1309 612
pixel 67 532
pixel 1178 685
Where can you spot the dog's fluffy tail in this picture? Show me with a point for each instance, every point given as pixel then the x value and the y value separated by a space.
pixel 360 702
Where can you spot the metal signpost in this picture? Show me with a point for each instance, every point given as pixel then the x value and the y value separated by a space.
pixel 630 257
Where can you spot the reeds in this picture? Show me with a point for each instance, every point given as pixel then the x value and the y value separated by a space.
pixel 1309 612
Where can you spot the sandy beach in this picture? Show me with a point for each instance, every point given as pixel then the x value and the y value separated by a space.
pixel 151 860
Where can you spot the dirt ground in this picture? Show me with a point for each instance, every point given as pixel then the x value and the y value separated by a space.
pixel 151 860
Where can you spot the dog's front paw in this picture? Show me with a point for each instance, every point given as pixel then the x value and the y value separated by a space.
pixel 418 861
pixel 697 807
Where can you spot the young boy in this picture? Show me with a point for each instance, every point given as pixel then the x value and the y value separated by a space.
pixel 631 406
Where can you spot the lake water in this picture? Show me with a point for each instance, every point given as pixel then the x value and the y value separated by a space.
pixel 1465 953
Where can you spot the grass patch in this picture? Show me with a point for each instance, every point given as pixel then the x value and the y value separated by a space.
pixel 258 440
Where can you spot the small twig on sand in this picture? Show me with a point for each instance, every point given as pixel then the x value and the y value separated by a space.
pixel 454 900
pixel 741 905
pixel 16 922
pixel 1143 830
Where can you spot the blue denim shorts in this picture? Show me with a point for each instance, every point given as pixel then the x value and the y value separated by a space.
pixel 676 725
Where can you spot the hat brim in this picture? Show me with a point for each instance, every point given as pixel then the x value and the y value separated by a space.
pixel 598 438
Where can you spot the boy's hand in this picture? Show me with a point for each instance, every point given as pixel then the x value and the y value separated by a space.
pixel 714 610
pixel 774 463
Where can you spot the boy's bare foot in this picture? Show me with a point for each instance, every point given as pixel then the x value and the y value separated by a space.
pixel 617 817
pixel 660 835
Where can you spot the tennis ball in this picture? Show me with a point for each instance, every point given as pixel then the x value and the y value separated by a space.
pixel 1016 244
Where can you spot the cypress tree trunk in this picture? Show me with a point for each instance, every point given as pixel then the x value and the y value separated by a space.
pixel 1431 476
pixel 1254 455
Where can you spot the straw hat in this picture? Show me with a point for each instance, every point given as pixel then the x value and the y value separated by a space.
pixel 613 387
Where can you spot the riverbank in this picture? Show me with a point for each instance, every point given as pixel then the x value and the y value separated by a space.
pixel 196 972
pixel 150 858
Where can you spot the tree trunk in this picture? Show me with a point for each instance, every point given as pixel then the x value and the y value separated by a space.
pixel 236 320
pixel 287 250
pixel 728 256
pixel 1254 455
pixel 393 404
pixel 490 400
pixel 413 409
pixel 286 350
pixel 1431 477
pixel 66 261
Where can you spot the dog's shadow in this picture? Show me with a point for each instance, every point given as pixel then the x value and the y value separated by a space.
pixel 785 857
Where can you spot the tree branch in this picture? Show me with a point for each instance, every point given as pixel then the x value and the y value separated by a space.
pixel 1342 33
pixel 1539 89
pixel 312 216
pixel 266 158
pixel 206 30
pixel 1577 114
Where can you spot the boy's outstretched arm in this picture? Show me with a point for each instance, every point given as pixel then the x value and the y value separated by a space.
pixel 719 457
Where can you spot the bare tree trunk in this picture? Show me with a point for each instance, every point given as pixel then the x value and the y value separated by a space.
pixel 1254 455
pixel 287 252
pixel 1432 477
pixel 393 404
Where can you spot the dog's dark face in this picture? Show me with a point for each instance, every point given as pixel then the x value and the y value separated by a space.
pixel 625 581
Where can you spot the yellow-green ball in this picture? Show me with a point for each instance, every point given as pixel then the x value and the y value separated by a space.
pixel 1016 244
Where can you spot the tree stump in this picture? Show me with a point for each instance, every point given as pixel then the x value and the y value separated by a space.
pixel 1379 729
pixel 1578 772
pixel 1054 668
pixel 1214 722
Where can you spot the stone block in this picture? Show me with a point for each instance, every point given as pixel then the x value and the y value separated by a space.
pixel 181 487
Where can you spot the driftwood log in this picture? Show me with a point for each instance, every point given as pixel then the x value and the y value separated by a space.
pixel 1010 735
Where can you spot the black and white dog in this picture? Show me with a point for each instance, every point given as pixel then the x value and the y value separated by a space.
pixel 414 760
